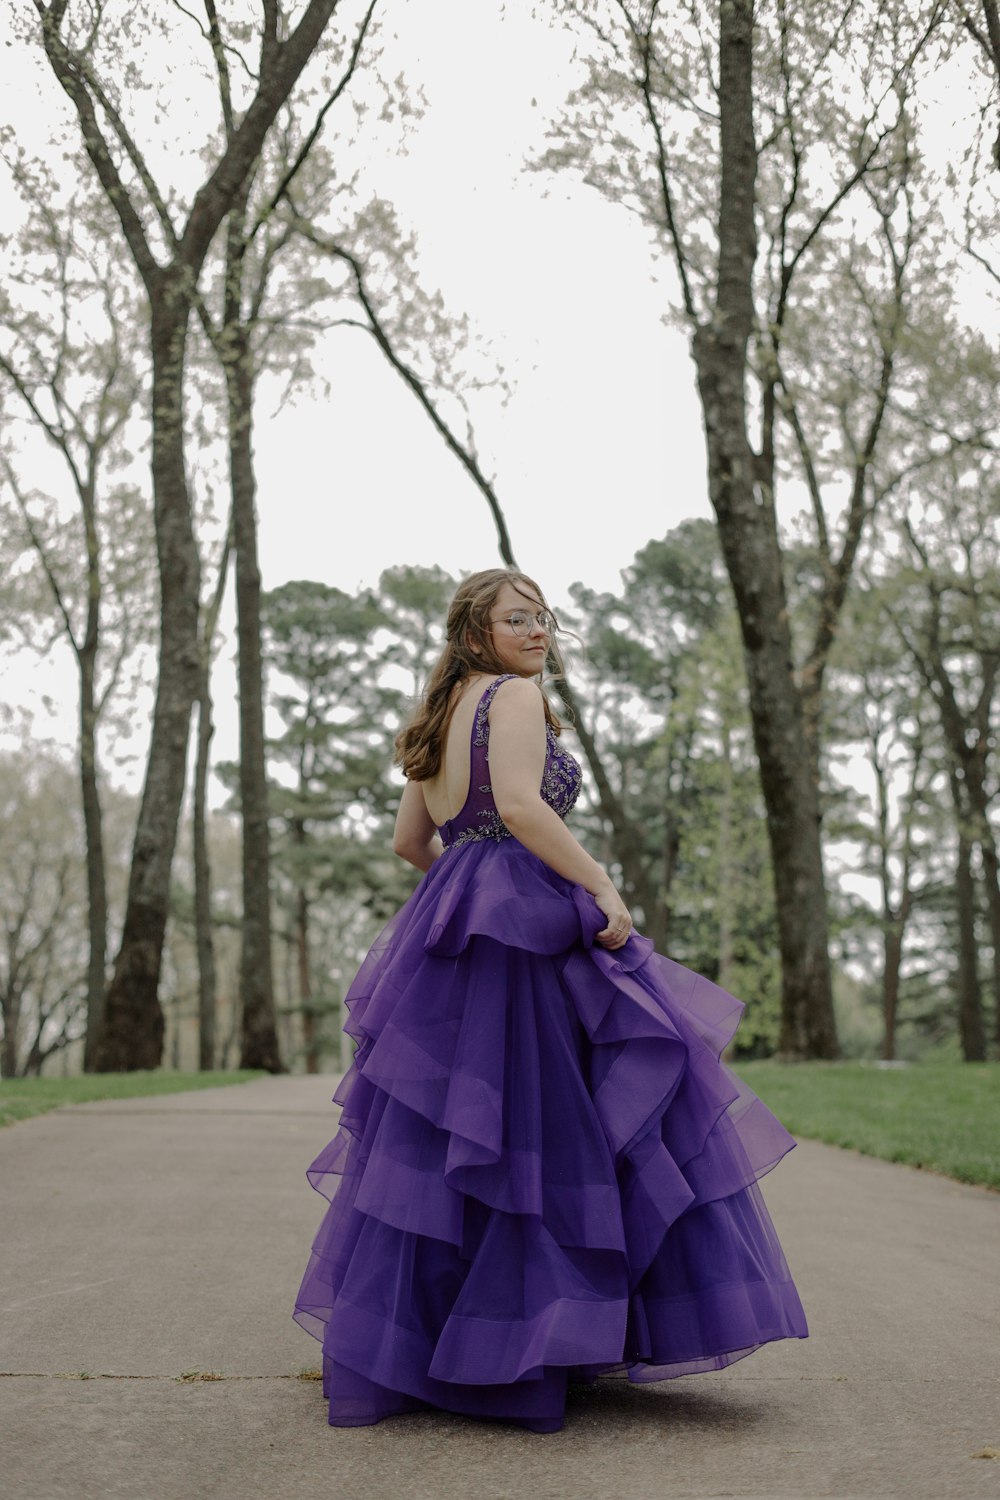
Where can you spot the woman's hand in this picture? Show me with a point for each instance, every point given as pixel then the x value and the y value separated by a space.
pixel 619 927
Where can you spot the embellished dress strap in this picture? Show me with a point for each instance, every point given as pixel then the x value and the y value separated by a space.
pixel 481 723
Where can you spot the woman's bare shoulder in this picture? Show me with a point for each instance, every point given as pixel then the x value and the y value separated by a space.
pixel 517 698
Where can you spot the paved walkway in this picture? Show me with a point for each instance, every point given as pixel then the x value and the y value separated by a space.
pixel 144 1240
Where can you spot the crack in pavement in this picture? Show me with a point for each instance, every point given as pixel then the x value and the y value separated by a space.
pixel 192 1377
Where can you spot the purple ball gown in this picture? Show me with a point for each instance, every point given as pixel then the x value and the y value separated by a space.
pixel 543 1172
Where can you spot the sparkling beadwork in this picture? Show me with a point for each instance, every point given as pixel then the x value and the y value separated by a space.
pixel 493 828
pixel 561 777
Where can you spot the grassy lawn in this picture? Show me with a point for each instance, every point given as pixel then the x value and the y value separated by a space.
pixel 20 1098
pixel 942 1116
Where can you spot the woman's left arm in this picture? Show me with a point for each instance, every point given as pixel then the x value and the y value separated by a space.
pixel 415 838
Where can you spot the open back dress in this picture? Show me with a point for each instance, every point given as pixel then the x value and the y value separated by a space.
pixel 543 1172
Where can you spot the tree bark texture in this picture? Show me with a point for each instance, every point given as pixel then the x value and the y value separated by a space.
pixel 132 1035
pixel 204 945
pixel 970 736
pixel 303 964
pixel 892 948
pixel 973 769
pixel 11 1012
pixel 728 876
pixel 97 891
pixel 204 942
pixel 97 894
pixel 970 1011
pixel 259 1036
pixel 894 920
pixel 742 498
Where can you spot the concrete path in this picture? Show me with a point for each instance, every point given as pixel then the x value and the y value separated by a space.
pixel 147 1242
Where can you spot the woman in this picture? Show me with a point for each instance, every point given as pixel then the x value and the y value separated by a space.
pixel 543 1172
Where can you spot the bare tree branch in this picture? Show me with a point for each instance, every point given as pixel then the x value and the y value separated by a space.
pixel 418 386
pixel 69 75
pixel 281 191
pixel 41 553
pixel 644 42
pixel 221 67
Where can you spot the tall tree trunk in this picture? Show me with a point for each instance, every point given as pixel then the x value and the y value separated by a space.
pixel 204 945
pixel 892 922
pixel 204 942
pixel 97 891
pixel 11 1013
pixel 991 875
pixel 132 1036
pixel 971 795
pixel 742 496
pixel 978 794
pixel 304 968
pixel 970 1011
pixel 892 949
pixel 259 1038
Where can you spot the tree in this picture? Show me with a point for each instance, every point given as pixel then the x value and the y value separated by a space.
pixel 415 604
pixel 669 716
pixel 200 856
pixel 777 195
pixel 882 710
pixel 72 371
pixel 336 744
pixel 169 247
pixel 342 670
pixel 43 904
pixel 258 237
pixel 953 636
pixel 982 22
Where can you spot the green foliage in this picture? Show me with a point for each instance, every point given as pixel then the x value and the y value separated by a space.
pixel 663 669
pixel 334 663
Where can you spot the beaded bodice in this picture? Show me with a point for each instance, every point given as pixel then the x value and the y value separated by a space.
pixel 479 819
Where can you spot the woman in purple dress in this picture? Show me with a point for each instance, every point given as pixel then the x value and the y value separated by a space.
pixel 543 1172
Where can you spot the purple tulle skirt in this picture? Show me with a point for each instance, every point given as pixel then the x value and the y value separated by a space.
pixel 543 1172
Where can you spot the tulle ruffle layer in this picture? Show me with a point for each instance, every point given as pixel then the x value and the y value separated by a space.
pixel 543 1172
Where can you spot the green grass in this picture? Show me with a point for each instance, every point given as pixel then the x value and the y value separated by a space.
pixel 944 1117
pixel 21 1098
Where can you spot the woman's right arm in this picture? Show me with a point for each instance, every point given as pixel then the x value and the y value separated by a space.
pixel 517 761
pixel 415 838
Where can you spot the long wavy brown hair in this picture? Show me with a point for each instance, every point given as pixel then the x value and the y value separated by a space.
pixel 420 742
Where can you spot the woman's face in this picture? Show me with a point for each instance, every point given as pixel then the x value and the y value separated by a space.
pixel 523 654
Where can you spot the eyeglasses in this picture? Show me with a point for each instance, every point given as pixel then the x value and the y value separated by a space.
pixel 521 622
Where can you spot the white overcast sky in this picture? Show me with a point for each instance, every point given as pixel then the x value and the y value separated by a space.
pixel 600 446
